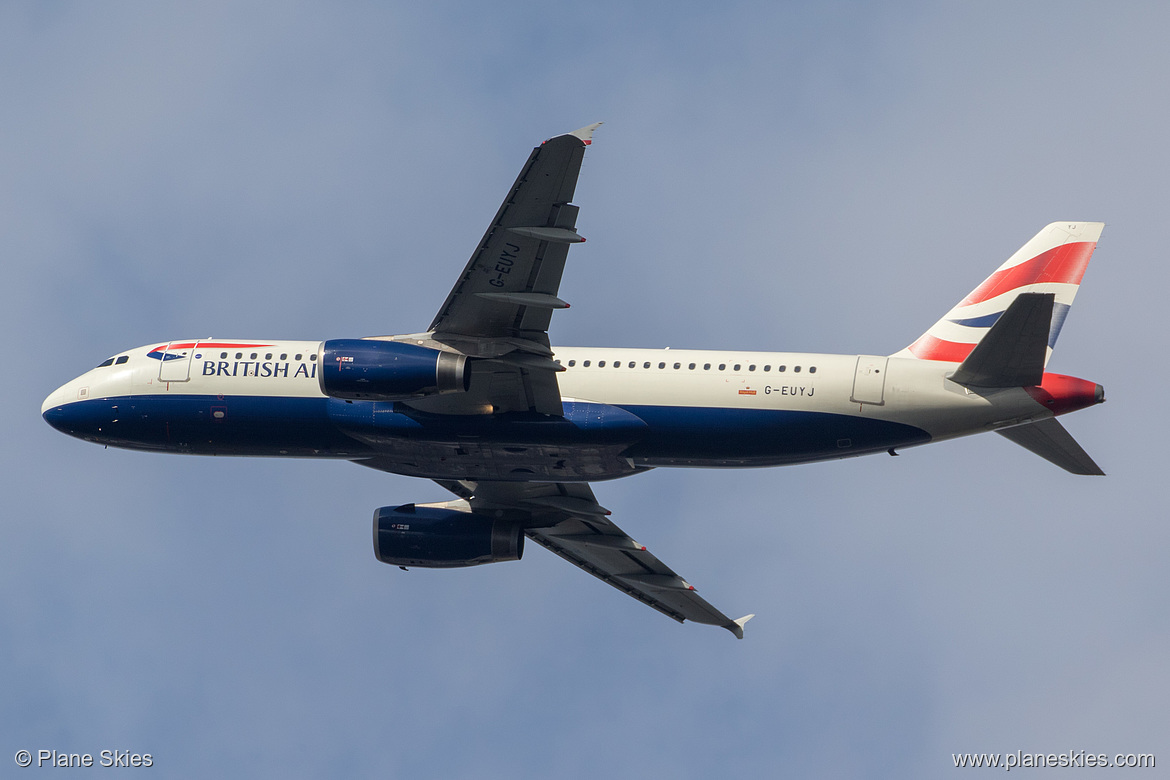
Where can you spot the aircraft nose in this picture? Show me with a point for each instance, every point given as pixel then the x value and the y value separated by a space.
pixel 62 411
pixel 55 398
pixel 58 414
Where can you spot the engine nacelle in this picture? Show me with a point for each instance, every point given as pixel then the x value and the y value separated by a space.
pixel 438 537
pixel 372 370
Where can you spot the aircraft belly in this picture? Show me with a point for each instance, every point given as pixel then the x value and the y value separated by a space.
pixel 586 444
pixel 208 425
pixel 594 442
pixel 494 462
pixel 761 437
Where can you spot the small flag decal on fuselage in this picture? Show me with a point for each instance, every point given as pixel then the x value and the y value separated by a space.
pixel 747 392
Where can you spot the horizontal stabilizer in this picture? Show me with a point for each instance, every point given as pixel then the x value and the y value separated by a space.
pixel 1013 352
pixel 1049 439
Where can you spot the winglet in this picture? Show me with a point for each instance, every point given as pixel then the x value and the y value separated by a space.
pixel 586 133
pixel 736 626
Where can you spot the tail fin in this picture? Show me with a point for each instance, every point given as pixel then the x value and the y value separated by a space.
pixel 1054 261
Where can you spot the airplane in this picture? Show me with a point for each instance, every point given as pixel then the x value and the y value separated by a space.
pixel 483 405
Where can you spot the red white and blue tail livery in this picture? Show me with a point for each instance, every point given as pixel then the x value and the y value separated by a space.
pixel 482 404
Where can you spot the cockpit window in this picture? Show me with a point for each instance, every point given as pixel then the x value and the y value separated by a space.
pixel 105 363
pixel 121 360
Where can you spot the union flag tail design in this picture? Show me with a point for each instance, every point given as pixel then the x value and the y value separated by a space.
pixel 1054 261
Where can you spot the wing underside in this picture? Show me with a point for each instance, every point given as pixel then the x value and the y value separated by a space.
pixel 498 312
pixel 500 308
pixel 566 519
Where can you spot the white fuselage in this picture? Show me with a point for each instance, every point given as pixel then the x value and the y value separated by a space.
pixel 626 410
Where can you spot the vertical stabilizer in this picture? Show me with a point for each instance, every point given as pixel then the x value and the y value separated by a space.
pixel 1054 261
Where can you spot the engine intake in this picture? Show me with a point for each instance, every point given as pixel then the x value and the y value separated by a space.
pixel 439 537
pixel 372 370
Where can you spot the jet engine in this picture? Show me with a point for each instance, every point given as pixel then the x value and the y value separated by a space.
pixel 437 536
pixel 372 370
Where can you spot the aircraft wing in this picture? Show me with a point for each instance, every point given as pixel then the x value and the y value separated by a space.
pixel 502 304
pixel 566 518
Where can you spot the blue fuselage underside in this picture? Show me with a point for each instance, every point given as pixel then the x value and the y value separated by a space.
pixel 647 436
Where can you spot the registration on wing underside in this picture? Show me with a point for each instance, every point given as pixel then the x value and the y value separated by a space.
pixel 522 252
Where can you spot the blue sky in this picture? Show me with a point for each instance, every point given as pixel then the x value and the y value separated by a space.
pixel 823 177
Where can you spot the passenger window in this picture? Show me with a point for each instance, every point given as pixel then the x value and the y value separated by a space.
pixel 631 364
pixel 691 366
pixel 646 364
pixel 239 355
pixel 121 360
pixel 780 368
pixel 105 363
pixel 268 356
pixel 253 356
pixel 223 356
pixel 662 365
pixel 767 368
pixel 722 366
pixel 796 369
pixel 706 366
pixel 572 363
pixel 298 357
pixel 585 364
pixel 752 367
pixel 601 364
pixel 736 367
pixel 812 369
pixel 677 366
pixel 283 355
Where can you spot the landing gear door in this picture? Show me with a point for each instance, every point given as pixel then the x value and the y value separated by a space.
pixel 176 362
pixel 869 382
